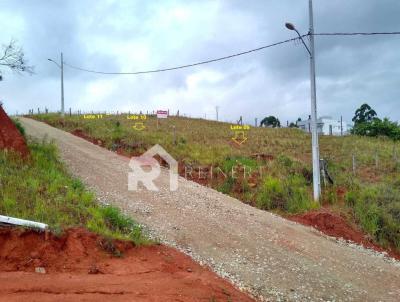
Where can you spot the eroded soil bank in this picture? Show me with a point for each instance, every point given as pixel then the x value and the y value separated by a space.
pixel 80 265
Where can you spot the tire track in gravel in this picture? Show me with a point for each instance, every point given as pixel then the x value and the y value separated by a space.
pixel 273 258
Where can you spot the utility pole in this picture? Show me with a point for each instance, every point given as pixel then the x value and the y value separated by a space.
pixel 216 110
pixel 61 66
pixel 315 147
pixel 62 86
pixel 341 125
pixel 313 116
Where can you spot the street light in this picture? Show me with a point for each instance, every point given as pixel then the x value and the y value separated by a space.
pixel 61 66
pixel 314 130
pixel 290 26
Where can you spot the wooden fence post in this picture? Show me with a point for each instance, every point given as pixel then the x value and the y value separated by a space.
pixel 174 128
pixel 354 164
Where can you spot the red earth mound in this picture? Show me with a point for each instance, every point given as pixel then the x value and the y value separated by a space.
pixel 83 266
pixel 10 137
pixel 336 226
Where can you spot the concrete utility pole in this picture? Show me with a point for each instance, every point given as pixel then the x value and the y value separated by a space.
pixel 314 129
pixel 62 86
pixel 315 146
pixel 341 125
pixel 61 66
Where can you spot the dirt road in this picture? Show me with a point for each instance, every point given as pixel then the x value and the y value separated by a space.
pixel 274 258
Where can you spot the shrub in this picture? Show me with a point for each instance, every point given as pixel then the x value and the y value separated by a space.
pixel 227 186
pixel 377 209
pixel 239 161
pixel 290 195
pixel 272 194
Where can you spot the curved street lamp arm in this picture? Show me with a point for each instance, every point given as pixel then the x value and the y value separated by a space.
pixel 58 65
pixel 304 43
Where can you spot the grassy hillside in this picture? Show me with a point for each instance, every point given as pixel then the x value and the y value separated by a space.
pixel 39 188
pixel 271 169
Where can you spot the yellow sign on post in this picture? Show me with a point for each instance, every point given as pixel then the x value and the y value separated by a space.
pixel 239 133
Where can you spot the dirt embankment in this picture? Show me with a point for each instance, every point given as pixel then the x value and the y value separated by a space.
pixel 82 266
pixel 334 225
pixel 10 137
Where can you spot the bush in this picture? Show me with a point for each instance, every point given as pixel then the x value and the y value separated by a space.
pixel 248 163
pixel 377 209
pixel 378 127
pixel 227 186
pixel 272 194
pixel 289 195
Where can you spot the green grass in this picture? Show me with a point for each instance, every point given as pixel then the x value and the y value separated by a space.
pixel 285 184
pixel 40 189
pixel 377 209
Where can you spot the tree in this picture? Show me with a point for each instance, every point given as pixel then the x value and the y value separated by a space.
pixel 270 121
pixel 364 114
pixel 12 57
pixel 293 125
pixel 378 127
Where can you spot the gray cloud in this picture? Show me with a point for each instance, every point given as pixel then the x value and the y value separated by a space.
pixel 137 35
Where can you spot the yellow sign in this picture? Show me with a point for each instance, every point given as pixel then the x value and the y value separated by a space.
pixel 240 127
pixel 239 137
pixel 92 116
pixel 136 117
pixel 138 126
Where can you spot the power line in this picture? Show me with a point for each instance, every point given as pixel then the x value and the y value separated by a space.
pixel 358 34
pixel 188 65
pixel 233 55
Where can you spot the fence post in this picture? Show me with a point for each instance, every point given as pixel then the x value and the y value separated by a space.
pixel 255 122
pixel 174 128
pixel 354 164
pixel 70 112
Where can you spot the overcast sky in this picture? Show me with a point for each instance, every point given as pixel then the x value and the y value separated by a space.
pixel 124 36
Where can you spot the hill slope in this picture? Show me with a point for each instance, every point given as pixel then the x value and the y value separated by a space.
pixel 270 170
pixel 271 256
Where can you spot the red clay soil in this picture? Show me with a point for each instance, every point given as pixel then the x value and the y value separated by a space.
pixel 10 137
pixel 336 226
pixel 82 266
pixel 81 134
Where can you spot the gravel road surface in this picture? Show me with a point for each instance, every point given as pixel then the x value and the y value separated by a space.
pixel 273 258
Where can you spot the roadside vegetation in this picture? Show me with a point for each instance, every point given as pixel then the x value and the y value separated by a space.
pixel 271 170
pixel 40 189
